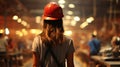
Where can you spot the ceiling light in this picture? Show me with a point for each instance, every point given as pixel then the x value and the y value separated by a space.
pixel 19 20
pixel 70 12
pixel 1 31
pixel 19 33
pixel 71 6
pixel 68 33
pixel 76 18
pixel 15 17
pixel 7 31
pixel 61 1
pixel 38 18
pixel 35 31
pixel 62 6
pixel 90 19
pixel 24 23
pixel 68 17
pixel 73 23
pixel 24 31
pixel 83 25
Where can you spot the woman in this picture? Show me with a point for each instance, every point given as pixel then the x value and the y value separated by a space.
pixel 51 48
pixel 115 46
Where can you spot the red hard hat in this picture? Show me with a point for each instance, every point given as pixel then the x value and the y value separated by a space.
pixel 52 11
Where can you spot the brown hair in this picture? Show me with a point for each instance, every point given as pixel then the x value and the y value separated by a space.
pixel 53 31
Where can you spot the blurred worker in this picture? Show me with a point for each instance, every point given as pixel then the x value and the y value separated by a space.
pixel 51 47
pixel 11 46
pixel 21 45
pixel 95 45
pixel 115 41
pixel 3 44
pixel 115 46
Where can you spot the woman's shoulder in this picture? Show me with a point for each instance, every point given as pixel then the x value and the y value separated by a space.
pixel 37 38
pixel 67 38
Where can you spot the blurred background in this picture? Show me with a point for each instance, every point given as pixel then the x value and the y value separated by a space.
pixel 20 20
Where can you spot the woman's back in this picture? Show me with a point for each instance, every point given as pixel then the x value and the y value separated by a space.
pixel 60 51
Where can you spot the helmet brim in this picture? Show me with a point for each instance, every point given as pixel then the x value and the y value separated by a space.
pixel 50 18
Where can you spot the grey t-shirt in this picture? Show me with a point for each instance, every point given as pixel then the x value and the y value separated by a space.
pixel 3 44
pixel 60 51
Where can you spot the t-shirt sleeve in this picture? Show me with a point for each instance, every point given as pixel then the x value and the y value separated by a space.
pixel 35 44
pixel 71 48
